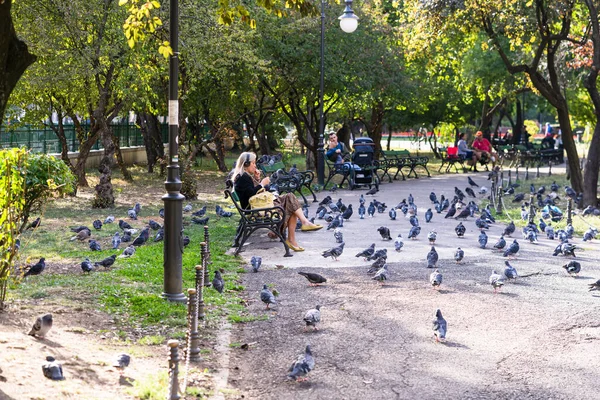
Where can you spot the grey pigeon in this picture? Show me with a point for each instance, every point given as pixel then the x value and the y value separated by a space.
pixel 459 254
pixel 549 232
pixel 428 215
pixel 314 278
pixel 338 235
pixel 255 261
pixel 116 240
pixel 97 224
pixel 302 366
pixel 122 361
pixel 137 208
pixel 107 262
pixel 435 278
pixel 470 192
pixel 110 219
pixel 373 191
pixel 334 224
pixel 472 182
pixel 200 212
pixel 377 265
pixel 381 275
pixel 41 326
pixel 572 268
pixel 512 250
pixel 361 211
pixel 348 212
pixel 36 268
pixel 464 213
pixel 86 265
pixel 392 214
pixel 384 232
pixel 451 211
pixel 218 283
pixel 160 235
pixel 161 213
pixel 518 197
pixel 371 209
pixel 594 286
pixel 94 245
pixel 313 317
pixel 186 240
pixel 460 229
pixel 398 243
pixel 367 252
pixel 267 297
pixel 334 252
pixel 381 253
pixel 82 235
pixel 510 272
pixel 132 214
pixel 34 224
pixel 188 207
pixel 154 225
pixel 496 281
pixel 414 232
pixel 432 258
pixel 510 229
pixel 200 221
pixel 79 228
pixel 128 251
pixel 440 327
pixel 432 236
pixel 483 239
pixel 52 369
pixel 124 225
pixel 500 244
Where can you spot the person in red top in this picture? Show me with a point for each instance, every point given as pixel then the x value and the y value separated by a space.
pixel 483 148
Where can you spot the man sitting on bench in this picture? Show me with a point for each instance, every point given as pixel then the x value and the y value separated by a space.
pixel 483 148
pixel 336 151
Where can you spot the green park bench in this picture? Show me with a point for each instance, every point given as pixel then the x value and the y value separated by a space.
pixel 290 183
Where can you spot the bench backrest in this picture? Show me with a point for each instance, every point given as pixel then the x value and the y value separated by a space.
pixel 268 169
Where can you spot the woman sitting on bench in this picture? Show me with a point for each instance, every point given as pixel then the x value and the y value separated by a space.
pixel 247 182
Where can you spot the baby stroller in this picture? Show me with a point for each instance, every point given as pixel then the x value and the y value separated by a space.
pixel 362 172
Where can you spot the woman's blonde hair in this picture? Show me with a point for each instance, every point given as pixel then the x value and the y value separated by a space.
pixel 239 169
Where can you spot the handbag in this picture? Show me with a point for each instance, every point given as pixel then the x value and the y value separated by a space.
pixel 262 199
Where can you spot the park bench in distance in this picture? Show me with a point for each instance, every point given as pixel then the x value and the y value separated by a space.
pixel 290 183
pixel 259 218
pixel 403 159
pixel 450 157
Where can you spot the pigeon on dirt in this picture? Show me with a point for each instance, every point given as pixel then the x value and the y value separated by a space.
pixel 302 366
pixel 347 213
pixel 500 244
pixel 428 215
pixel 440 327
pixel 384 232
pixel 78 229
pixel 313 317
pixel 116 240
pixel 594 286
pixel 472 182
pixel 122 361
pixel 154 225
pixel 86 265
pixel 255 261
pixel 338 235
pixel 334 252
pixel 188 207
pixel 460 230
pixel 218 283
pixel 137 208
pixel 432 258
pixel 463 214
pixel 371 209
pixel 432 236
pixel 570 192
pixel 41 326
pixel 510 272
pixel 381 253
pixel 392 214
pixel 361 211
pixel 36 268
pixel 128 251
pixel 414 232
pixel 132 214
pixel 414 221
pixel 435 278
pixel 451 211
pixel 398 243
pixel 470 192
pixel 52 369
pixel 566 249
pixel 107 262
pixel 97 224
pixel 512 250
pixel 496 281
pixel 481 224
pixel 483 239
pixel 377 265
pixel 161 213
pixel 510 229
pixel 381 275
pixel 590 234
pixel 124 225
pixel 573 268
pixel 82 235
pixel 373 191
pixel 110 219
pixel 314 278
pixel 267 297
pixel 160 235
pixel 459 193
pixel 549 232
pixel 34 224
pixel 459 254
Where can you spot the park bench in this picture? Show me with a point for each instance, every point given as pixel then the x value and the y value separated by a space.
pixel 404 159
pixel 259 218
pixel 290 183
pixel 338 169
pixel 450 157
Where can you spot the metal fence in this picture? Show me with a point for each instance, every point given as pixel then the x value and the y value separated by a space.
pixel 44 140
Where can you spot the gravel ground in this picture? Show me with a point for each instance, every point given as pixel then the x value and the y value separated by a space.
pixel 538 338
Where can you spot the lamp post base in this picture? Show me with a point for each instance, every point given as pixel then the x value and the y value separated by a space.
pixel 174 297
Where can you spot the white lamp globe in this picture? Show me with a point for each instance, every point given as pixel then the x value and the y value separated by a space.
pixel 348 22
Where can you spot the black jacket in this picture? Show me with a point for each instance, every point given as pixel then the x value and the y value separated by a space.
pixel 244 187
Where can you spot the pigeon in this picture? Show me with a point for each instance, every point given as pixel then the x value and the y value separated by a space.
pixel 428 215
pixel 86 265
pixel 414 221
pixel 160 235
pixel 107 262
pixel 513 249
pixel 200 221
pixel 381 275
pixel 116 240
pixel 500 244
pixel 524 213
pixel 590 234
pixel 482 190
pixel 122 361
pixel 570 192
pixel 154 225
pixel 132 214
pixel 41 326
pixel 481 224
pixel 188 207
pixel 510 229
pixel 200 212
pixel 52 369
pixel 313 317
pixel 435 278
pixel 110 219
pixel 569 230
pixel 518 198
pixel 361 211
pixel 440 327
pixel 371 209
pixel 594 286
pixel 414 232
pixel 460 230
pixel 510 190
pixel 398 243
pixel 549 232
pixel 530 235
pixel 568 249
pixel 464 213
pixel 542 225
pixel 255 261
pixel 186 240
pixel 97 224
pixel 267 297
pixel 36 268
pixel 432 236
pixel 367 252
pixel 34 224
pixel 334 252
pixel 82 235
pixel 472 182
pixel 218 283
pixel 554 187
pixel 302 366
pixel 451 211
pixel 470 192
pixel 373 191
pixel 314 278
pixel 377 265
pixel 124 225
pixel 334 188
pixel 161 213
pixel 392 214
pixel 347 213
pixel 573 267
pixel 137 208
pixel 382 253
pixel 459 254
pixel 338 235
pixel 334 224
pixel 459 193
pixel 128 251
pixel 384 232
pixel 432 258
pixel 496 281
pixel 510 272
pixel 79 228
pixel 483 239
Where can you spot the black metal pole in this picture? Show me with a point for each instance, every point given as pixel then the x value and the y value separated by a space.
pixel 173 242
pixel 321 144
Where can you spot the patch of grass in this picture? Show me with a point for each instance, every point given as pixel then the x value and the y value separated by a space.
pixel 240 319
pixel 152 340
pixel 151 386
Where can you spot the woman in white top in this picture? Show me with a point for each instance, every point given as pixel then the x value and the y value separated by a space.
pixel 465 152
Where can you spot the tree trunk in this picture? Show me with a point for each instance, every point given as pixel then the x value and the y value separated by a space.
pixel 569 144
pixel 153 143
pixel 105 197
pixel 590 173
pixel 124 171
pixel 377 113
pixel 14 56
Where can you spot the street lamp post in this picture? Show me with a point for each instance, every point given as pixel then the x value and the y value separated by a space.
pixel 348 23
pixel 173 199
